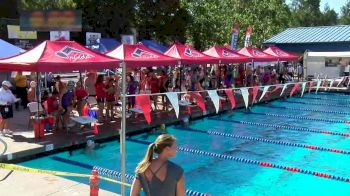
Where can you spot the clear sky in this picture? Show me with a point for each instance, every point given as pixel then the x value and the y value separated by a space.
pixel 333 4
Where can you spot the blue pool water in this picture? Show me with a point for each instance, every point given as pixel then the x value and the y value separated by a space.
pixel 216 176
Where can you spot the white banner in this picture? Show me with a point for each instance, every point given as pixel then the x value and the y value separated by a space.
pixel 303 88
pixel 215 98
pixel 264 92
pixel 245 95
pixel 284 88
pixel 174 100
pixel 55 35
pixel 318 85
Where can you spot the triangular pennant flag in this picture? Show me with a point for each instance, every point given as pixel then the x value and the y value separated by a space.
pixel 199 100
pixel 283 89
pixel 231 97
pixel 245 95
pixel 215 98
pixel 310 85
pixel 303 88
pixel 295 88
pixel 278 86
pixel 324 84
pixel 340 81
pixel 95 131
pixel 174 100
pixel 348 81
pixel 255 93
pixel 331 84
pixel 264 92
pixel 144 103
pixel 318 85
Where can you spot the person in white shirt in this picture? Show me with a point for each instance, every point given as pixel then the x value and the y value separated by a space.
pixel 300 71
pixel 89 83
pixel 6 101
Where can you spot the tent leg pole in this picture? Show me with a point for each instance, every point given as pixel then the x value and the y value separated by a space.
pixel 123 128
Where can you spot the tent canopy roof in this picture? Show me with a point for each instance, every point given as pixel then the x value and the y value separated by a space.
pixel 138 55
pixel 57 56
pixel 281 54
pixel 256 54
pixel 226 55
pixel 7 49
pixel 329 54
pixel 188 55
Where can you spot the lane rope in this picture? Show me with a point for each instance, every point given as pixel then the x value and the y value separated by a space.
pixel 254 162
pixel 303 129
pixel 324 104
pixel 114 174
pixel 306 109
pixel 283 143
pixel 298 117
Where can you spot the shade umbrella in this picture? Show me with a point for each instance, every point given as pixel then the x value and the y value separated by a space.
pixel 58 56
pixel 7 49
pixel 226 56
pixel 281 54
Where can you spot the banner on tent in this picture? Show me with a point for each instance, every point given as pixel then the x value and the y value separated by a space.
pixel 247 36
pixel 234 36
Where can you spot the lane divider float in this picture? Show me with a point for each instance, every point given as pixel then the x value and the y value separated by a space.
pixel 283 143
pixel 324 104
pixel 306 109
pixel 303 129
pixel 254 162
pixel 114 174
pixel 298 117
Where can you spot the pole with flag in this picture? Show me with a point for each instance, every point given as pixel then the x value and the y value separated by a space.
pixel 234 36
pixel 247 36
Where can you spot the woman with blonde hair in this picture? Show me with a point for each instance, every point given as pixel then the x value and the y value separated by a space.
pixel 159 176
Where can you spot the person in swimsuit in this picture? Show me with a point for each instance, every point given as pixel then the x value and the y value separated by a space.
pixel 159 176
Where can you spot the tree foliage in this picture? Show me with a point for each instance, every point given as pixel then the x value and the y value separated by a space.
pixel 203 23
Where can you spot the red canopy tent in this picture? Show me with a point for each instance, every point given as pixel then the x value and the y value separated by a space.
pixel 188 55
pixel 280 54
pixel 226 55
pixel 58 56
pixel 257 55
pixel 138 55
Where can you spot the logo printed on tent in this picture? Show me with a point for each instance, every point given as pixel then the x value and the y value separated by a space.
pixel 191 53
pixel 281 53
pixel 73 54
pixel 228 54
pixel 258 53
pixel 139 53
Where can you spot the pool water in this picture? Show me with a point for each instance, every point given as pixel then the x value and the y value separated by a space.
pixel 217 176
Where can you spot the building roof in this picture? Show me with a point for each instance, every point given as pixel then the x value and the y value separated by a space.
pixel 321 34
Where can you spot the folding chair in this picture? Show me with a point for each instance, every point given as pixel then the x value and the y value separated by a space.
pixel 34 109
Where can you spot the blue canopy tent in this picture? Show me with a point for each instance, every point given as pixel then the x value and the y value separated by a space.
pixel 105 45
pixel 7 49
pixel 154 45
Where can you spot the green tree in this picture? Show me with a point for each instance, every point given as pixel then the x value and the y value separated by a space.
pixel 30 5
pixel 329 16
pixel 212 20
pixel 306 13
pixel 345 14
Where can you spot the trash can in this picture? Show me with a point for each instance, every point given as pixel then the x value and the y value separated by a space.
pixel 39 127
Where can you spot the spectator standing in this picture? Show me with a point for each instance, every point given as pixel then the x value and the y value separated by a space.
pixel 21 89
pixel 89 83
pixel 100 95
pixel 6 110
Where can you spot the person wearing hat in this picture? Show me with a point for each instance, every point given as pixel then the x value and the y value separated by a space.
pixel 6 110
pixel 67 102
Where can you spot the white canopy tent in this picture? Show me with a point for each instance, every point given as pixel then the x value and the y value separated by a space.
pixel 326 64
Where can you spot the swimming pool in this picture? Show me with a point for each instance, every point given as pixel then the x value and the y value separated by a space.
pixel 308 133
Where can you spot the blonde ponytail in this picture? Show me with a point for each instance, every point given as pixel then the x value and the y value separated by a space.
pixel 146 162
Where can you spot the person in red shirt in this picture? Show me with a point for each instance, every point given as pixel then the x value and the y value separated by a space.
pixel 100 95
pixel 154 84
pixel 80 95
pixel 52 106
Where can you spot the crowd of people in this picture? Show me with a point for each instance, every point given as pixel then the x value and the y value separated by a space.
pixel 60 98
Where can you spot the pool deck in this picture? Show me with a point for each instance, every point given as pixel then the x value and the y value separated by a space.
pixel 22 145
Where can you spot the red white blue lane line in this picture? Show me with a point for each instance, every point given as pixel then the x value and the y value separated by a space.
pixel 298 117
pixel 323 98
pixel 283 143
pixel 305 109
pixel 259 163
pixel 303 129
pixel 323 104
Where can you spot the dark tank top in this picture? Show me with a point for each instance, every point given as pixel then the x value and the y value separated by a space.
pixel 156 187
